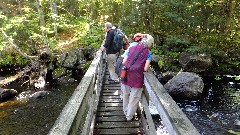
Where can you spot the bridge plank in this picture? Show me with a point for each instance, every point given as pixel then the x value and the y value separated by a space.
pixel 118 131
pixel 110 113
pixel 110 108
pixel 115 93
pixel 109 97
pixel 110 104
pixel 110 90
pixel 114 86
pixel 111 118
pixel 110 100
pixel 132 124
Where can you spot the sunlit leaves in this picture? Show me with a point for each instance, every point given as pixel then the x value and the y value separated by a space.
pixel 27 9
pixel 3 17
pixel 233 132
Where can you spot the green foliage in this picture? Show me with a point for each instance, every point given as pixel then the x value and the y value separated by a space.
pixel 195 49
pixel 237 78
pixel 202 49
pixel 52 43
pixel 160 64
pixel 233 132
pixel 58 72
pixel 87 65
pixel 217 77
pixel 173 54
pixel 155 51
pixel 92 36
pixel 12 59
pixel 193 26
pixel 176 43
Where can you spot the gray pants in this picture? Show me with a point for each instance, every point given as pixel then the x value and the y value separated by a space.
pixel 131 97
pixel 111 61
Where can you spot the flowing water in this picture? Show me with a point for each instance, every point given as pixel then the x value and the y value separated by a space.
pixel 217 112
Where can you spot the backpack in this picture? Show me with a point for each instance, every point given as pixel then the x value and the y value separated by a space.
pixel 118 65
pixel 118 41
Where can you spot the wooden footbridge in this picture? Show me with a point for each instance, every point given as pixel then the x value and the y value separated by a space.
pixel 95 108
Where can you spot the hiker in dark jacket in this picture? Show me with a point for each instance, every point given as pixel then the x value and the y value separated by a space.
pixel 111 54
pixel 133 87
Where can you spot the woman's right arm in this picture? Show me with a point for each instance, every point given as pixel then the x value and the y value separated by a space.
pixel 147 65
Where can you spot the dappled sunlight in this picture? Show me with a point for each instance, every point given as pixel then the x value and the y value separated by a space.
pixel 117 92
pixel 66 39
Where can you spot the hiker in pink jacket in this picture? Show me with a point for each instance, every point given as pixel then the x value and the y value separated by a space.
pixel 133 87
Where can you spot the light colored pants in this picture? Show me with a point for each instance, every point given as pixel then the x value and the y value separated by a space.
pixel 111 61
pixel 131 97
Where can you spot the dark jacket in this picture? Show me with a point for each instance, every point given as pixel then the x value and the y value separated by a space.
pixel 109 42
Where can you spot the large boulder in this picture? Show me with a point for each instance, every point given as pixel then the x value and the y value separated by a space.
pixel 185 84
pixel 76 57
pixel 195 62
pixel 72 58
pixel 166 76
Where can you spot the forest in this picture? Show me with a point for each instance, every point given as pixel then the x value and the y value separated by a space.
pixel 198 26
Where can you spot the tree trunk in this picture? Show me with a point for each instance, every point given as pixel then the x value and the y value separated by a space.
pixel 42 22
pixel 20 7
pixel 54 15
pixel 146 16
pixel 231 5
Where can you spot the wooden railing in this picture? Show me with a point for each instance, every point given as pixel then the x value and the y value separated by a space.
pixel 78 115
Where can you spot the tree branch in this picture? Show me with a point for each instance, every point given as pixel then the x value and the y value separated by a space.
pixel 10 41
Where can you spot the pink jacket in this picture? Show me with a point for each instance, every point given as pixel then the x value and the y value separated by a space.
pixel 135 72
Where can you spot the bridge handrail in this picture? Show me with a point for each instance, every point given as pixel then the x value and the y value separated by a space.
pixel 172 116
pixel 78 114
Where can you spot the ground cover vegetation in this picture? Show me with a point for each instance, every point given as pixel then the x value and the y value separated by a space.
pixel 196 26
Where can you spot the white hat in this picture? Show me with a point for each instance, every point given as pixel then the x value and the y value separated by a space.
pixel 148 40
